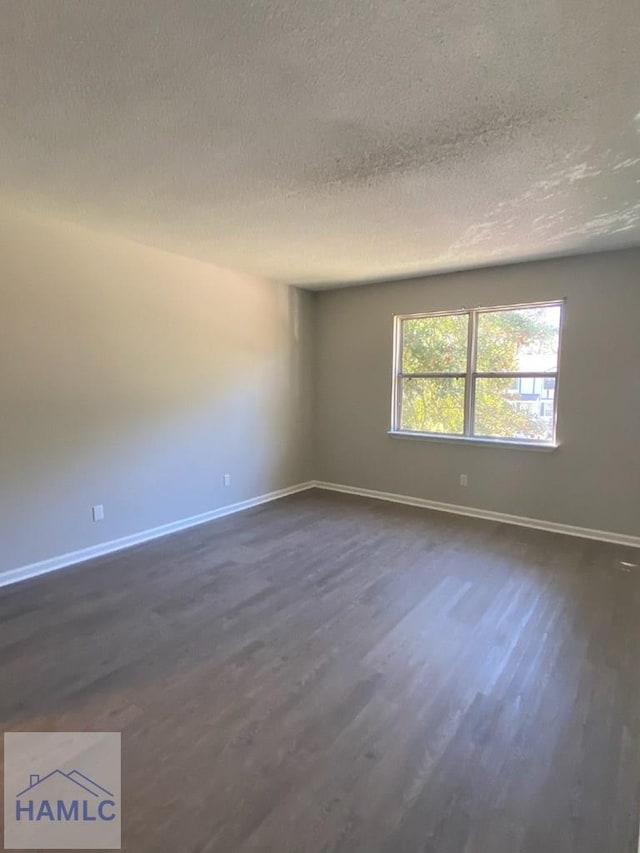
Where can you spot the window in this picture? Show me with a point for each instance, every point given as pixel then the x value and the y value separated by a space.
pixel 486 373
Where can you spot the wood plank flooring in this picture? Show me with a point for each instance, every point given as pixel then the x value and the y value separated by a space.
pixel 330 673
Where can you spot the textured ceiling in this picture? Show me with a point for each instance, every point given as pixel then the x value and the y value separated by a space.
pixel 325 141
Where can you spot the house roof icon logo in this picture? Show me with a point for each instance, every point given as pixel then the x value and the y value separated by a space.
pixel 77 780
pixel 63 791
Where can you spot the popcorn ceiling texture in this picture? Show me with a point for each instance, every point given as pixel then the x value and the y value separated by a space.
pixel 328 142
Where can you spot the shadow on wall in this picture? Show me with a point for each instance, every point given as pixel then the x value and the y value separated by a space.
pixel 134 378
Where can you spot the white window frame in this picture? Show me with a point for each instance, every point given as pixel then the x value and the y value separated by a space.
pixel 470 376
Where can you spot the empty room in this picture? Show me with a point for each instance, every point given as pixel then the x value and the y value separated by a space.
pixel 319 426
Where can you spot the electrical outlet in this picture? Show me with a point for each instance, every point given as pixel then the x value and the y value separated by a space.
pixel 98 512
pixel 464 481
pixel 226 480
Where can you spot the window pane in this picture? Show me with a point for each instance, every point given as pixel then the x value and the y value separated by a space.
pixel 433 405
pixel 435 344
pixel 519 408
pixel 525 339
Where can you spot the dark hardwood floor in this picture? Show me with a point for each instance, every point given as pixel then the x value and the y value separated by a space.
pixel 329 673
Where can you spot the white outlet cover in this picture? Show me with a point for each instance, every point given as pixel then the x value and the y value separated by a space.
pixel 98 512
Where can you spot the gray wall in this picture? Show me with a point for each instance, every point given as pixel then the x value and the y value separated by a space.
pixel 135 378
pixel 592 480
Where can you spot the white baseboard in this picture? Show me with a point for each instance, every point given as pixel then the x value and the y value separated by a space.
pixel 489 515
pixel 81 556
pixel 64 560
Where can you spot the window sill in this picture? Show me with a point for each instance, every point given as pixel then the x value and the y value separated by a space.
pixel 482 442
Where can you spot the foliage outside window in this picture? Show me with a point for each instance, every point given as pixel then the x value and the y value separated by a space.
pixel 487 373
